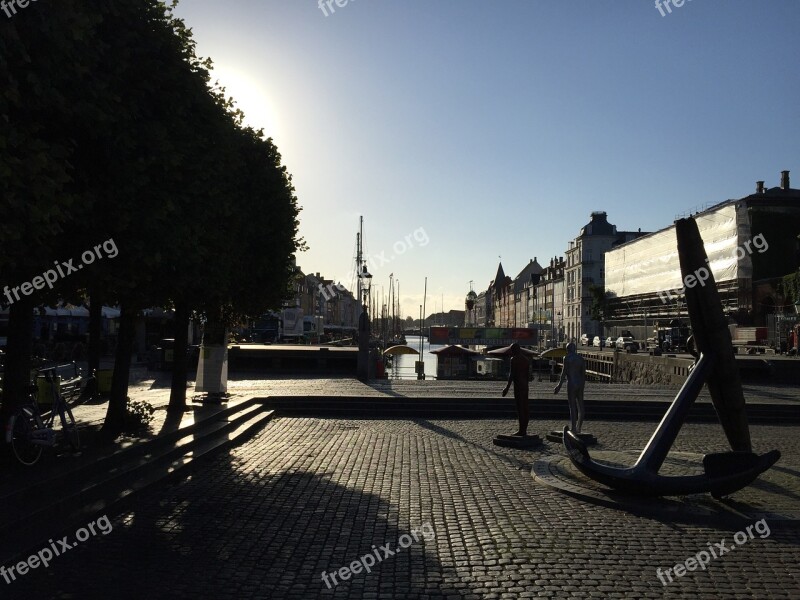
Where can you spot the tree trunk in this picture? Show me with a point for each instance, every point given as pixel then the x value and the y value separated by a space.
pixel 177 397
pixel 95 341
pixel 115 415
pixel 17 376
pixel 212 369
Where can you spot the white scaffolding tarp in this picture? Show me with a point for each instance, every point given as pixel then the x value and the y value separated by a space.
pixel 650 264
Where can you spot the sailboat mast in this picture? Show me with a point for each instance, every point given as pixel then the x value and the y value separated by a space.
pixel 359 257
pixel 391 301
pixel 425 301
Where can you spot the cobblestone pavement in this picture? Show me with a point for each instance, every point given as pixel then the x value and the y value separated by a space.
pixel 154 387
pixel 253 384
pixel 307 496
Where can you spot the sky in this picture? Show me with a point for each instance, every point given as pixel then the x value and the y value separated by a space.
pixel 469 132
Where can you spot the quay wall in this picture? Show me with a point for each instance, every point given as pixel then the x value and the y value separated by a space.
pixel 667 370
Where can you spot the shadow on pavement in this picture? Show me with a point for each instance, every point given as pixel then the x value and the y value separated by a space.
pixel 235 530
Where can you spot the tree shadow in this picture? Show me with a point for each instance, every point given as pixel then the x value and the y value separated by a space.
pixel 230 530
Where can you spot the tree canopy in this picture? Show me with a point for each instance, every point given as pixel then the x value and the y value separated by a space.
pixel 112 129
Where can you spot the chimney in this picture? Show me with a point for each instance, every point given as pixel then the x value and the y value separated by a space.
pixel 784 180
pixel 759 187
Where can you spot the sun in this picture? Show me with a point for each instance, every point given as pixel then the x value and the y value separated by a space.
pixel 251 98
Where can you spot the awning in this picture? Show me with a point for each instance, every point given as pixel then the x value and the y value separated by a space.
pixel 507 350
pixel 399 349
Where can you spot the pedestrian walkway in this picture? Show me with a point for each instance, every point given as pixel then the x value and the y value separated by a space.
pixel 154 387
pixel 296 512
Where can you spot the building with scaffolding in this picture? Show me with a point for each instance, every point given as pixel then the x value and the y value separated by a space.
pixel 752 243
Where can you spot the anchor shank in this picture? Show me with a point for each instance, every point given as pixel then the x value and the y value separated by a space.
pixel 661 441
pixel 711 333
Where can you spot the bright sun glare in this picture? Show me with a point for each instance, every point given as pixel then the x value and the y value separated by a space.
pixel 250 96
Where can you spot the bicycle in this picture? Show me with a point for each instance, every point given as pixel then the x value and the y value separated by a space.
pixel 29 432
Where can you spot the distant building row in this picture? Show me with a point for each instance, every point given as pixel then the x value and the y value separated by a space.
pixel 752 243
pixel 555 299
pixel 318 305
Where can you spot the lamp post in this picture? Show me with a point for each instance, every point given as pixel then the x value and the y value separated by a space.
pixel 365 285
pixel 540 324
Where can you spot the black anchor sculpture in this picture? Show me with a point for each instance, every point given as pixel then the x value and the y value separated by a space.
pixel 725 472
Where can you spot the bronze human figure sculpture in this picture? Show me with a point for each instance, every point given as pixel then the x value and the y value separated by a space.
pixel 518 375
pixel 574 373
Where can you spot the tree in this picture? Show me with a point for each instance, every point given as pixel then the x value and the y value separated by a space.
pixel 600 309
pixel 43 52
pixel 116 134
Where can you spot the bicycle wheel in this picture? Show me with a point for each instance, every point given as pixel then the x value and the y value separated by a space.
pixel 70 429
pixel 25 421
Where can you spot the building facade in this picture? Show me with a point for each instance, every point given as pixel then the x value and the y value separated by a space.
pixel 328 301
pixel 585 267
pixel 752 243
pixel 524 286
pixel 547 303
pixel 502 299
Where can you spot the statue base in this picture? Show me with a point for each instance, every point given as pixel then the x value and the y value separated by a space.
pixel 558 436
pixel 517 441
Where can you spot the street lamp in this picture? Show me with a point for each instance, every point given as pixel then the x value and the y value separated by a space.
pixel 559 327
pixel 366 286
pixel 540 326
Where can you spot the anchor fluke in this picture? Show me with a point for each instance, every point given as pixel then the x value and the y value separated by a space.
pixel 725 472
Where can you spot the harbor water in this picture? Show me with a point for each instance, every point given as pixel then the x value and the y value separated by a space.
pixel 403 365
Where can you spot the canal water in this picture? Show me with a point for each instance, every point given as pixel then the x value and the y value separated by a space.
pixel 403 365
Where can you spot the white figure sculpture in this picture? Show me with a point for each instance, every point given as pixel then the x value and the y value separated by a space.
pixel 575 374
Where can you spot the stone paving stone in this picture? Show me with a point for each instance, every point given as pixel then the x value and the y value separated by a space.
pixel 265 519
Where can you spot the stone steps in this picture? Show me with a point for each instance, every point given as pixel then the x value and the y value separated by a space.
pixel 495 408
pixel 47 501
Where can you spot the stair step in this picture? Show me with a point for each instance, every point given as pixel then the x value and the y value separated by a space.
pixel 131 471
pixel 634 410
pixel 32 496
